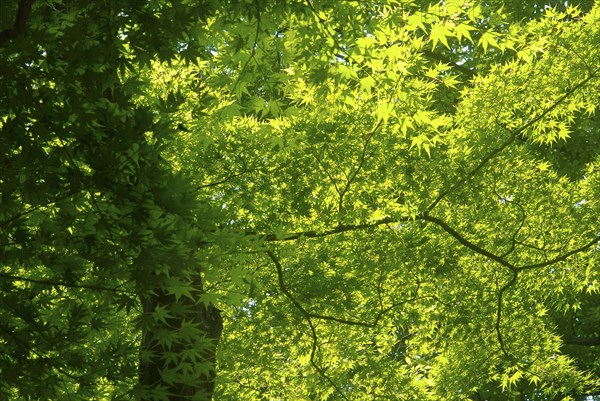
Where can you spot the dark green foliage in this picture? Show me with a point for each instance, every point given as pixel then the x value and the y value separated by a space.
pixel 92 218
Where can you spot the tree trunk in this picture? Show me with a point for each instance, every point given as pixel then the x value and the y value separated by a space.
pixel 162 357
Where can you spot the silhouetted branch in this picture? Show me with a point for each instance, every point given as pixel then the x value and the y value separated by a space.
pixel 308 316
pixel 337 230
pixel 501 292
pixel 563 257
pixel 23 12
pixel 513 135
pixel 363 157
pixel 460 238
pixel 41 358
pixel 32 209
pixel 585 341
pixel 459 67
pixel 52 283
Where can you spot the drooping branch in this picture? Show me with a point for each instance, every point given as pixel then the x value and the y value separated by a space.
pixel 458 237
pixel 283 287
pixel 498 259
pixel 308 316
pixel 23 12
pixel 499 305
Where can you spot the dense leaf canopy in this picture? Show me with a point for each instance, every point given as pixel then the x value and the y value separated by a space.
pixel 299 200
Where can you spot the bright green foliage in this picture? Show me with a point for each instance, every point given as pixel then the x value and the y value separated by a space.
pixel 430 239
pixel 386 200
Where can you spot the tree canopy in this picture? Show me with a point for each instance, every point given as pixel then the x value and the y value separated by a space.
pixel 299 200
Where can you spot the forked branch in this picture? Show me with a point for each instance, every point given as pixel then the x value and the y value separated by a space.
pixel 308 316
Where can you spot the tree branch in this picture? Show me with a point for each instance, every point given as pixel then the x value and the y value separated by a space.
pixel 440 57
pixel 584 341
pixel 288 294
pixel 254 45
pixel 51 283
pixel 337 230
pixel 41 358
pixel 308 316
pixel 473 172
pixel 554 105
pixel 563 257
pixel 513 135
pixel 466 242
pixel 32 209
pixel 509 283
pixel 361 163
pixel 20 21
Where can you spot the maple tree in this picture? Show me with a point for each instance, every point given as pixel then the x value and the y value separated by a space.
pixel 312 200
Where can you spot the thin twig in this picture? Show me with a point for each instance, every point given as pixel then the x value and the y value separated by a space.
pixel 361 163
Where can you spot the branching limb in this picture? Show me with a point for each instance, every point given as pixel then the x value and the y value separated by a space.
pixel 498 259
pixel 557 103
pixel 231 175
pixel 523 218
pixel 298 305
pixel 308 316
pixel 518 230
pixel 337 230
pixel 316 366
pixel 472 173
pixel 513 135
pixel 562 257
pixel 362 159
pixel 328 174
